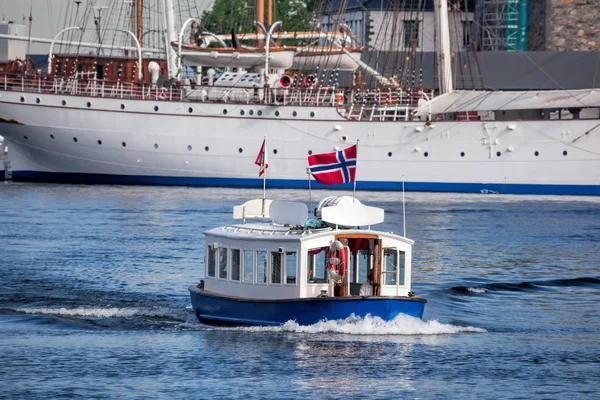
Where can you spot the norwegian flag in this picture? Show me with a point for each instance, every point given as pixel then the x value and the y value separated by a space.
pixel 261 158
pixel 334 168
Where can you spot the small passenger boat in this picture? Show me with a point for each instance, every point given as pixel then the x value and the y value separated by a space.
pixel 304 269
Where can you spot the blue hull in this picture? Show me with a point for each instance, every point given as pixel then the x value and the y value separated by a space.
pixel 216 309
pixel 491 188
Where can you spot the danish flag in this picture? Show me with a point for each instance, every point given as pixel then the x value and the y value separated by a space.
pixel 334 168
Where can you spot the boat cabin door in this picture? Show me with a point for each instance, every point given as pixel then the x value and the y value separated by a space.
pixel 363 254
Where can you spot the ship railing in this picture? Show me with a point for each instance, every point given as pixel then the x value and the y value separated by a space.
pixel 264 231
pixel 383 104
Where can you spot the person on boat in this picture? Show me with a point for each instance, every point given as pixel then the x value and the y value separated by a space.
pixel 195 34
pixel 366 289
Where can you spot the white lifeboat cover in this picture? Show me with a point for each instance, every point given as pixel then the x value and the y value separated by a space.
pixel 352 214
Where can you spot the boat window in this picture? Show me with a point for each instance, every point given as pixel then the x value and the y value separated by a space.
pixel 317 259
pixel 261 267
pixel 390 264
pixel 248 266
pixel 223 263
pixel 211 259
pixel 275 267
pixel 365 263
pixel 290 268
pixel 402 267
pixel 235 265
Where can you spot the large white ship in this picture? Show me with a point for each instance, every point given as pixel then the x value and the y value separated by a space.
pixel 80 129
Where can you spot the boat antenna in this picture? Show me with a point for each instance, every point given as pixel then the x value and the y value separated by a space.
pixel 403 208
pixel 30 21
pixel 354 189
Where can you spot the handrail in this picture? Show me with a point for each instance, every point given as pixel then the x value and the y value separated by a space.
pixel 352 103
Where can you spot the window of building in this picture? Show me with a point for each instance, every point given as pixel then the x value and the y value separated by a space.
pixel 290 268
pixel 223 263
pixel 235 265
pixel 248 266
pixel 411 33
pixel 210 261
pixel 317 265
pixel 261 267
pixel 275 267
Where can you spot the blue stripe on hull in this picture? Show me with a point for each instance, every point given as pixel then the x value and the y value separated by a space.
pixel 211 308
pixel 35 176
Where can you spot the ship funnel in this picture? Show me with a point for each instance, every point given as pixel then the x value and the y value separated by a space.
pixel 285 81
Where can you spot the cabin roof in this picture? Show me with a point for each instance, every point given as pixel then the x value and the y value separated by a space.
pixel 270 232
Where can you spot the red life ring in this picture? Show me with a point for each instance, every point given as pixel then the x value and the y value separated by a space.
pixel 337 251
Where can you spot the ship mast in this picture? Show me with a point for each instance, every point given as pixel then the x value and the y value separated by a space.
pixel 139 7
pixel 444 62
pixel 260 17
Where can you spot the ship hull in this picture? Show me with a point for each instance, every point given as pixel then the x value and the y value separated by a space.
pixel 125 141
pixel 217 309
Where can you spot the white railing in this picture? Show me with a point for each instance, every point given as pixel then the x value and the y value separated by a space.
pixel 383 104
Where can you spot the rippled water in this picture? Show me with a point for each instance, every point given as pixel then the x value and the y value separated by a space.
pixel 94 302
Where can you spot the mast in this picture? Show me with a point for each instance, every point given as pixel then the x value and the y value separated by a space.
pixel 269 13
pixel 260 17
pixel 140 28
pixel 444 62
pixel 171 36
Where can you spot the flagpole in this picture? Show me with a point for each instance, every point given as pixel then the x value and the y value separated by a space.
pixel 403 208
pixel 264 175
pixel 355 169
pixel 309 193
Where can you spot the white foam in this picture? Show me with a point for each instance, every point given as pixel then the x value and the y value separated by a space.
pixel 401 325
pixel 477 290
pixel 113 312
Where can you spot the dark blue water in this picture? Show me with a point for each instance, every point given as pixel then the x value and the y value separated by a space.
pixel 94 302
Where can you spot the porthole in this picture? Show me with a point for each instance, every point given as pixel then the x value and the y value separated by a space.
pixel 22 99
pixel 462 153
pixel 206 148
pixel 274 151
pixel 156 145
pixel 123 144
pixel 89 104
pixel 190 110
pixel 389 154
pixel 75 139
pixel 224 111
pixel 100 142
pixel 426 154
pixel 565 153
pixel 309 152
pixel 259 112
pixel 312 114
pixel 240 150
pixel 64 102
pixel 38 101
pixel 251 112
pixel 537 153
pixel 498 154
pixel 190 148
pixel 242 112
pixel 295 114
pixel 122 106
pixel 277 113
pixel 155 108
pixel 51 136
pixel 25 137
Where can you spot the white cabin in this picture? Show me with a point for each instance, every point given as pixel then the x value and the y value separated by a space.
pixel 286 259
